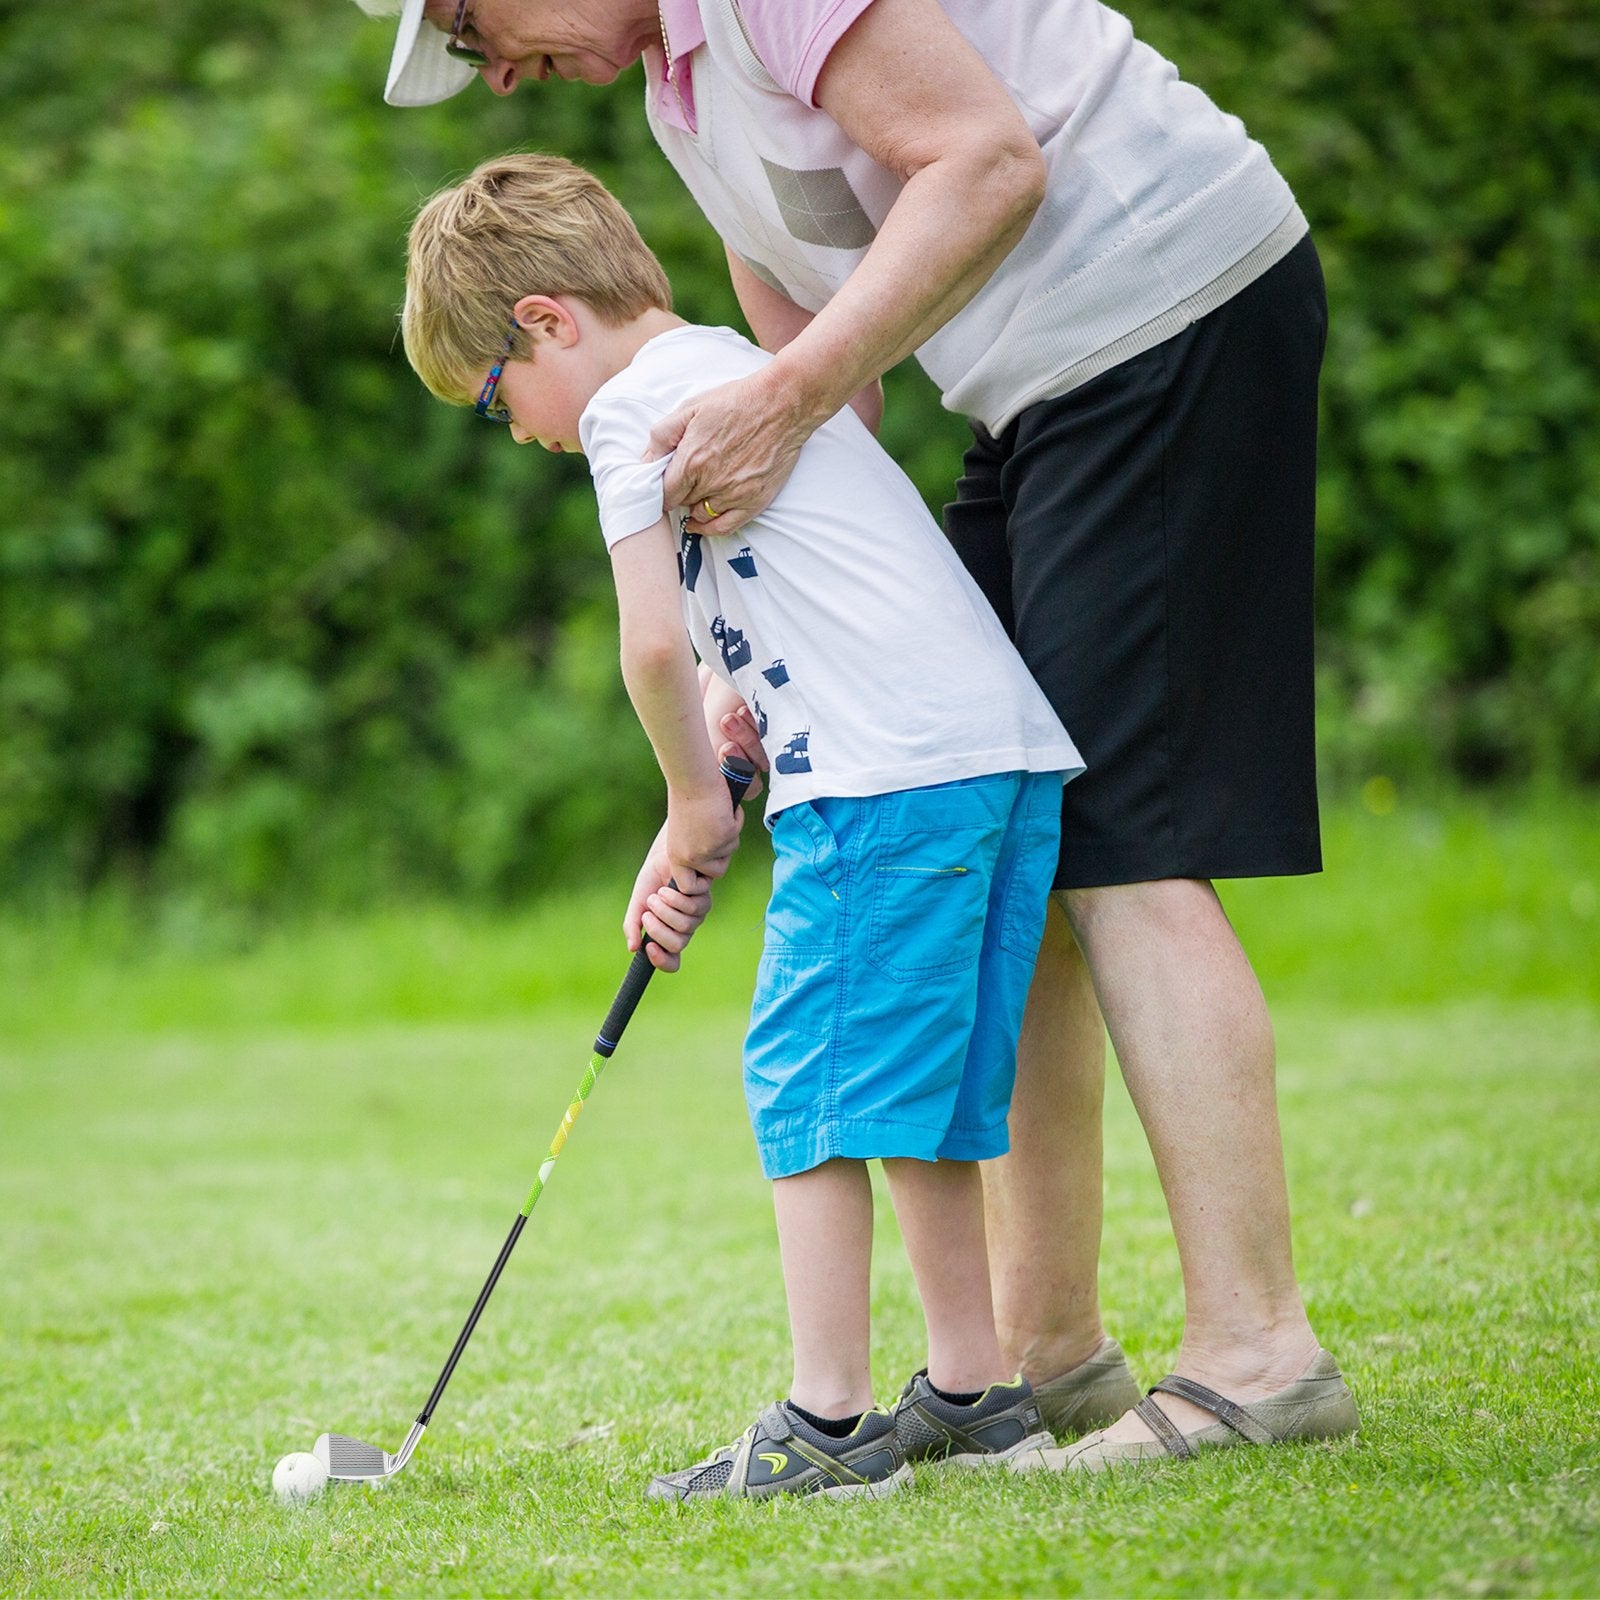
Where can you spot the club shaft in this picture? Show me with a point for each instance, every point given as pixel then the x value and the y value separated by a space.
pixel 472 1318
pixel 590 1078
pixel 738 776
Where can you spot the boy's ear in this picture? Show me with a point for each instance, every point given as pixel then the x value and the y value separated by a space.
pixel 544 317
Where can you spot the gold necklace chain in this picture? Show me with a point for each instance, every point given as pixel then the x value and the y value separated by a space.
pixel 671 73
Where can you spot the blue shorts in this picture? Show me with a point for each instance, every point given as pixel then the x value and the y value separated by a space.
pixel 900 942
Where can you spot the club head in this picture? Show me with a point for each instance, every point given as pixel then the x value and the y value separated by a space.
pixel 352 1461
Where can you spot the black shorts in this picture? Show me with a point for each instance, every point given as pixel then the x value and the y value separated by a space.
pixel 1147 539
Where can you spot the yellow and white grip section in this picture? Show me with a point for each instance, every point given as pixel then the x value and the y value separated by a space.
pixel 590 1079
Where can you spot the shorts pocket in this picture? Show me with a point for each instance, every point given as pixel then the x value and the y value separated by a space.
pixel 930 882
pixel 803 908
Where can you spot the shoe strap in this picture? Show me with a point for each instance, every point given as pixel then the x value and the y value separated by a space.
pixel 774 1422
pixel 1225 1410
pixel 1162 1426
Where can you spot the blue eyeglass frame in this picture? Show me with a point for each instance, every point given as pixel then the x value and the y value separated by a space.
pixel 485 405
pixel 453 45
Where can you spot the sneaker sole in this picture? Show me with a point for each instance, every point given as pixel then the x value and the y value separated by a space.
pixel 1022 1457
pixel 879 1489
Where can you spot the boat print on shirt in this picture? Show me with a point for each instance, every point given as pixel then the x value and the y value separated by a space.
pixel 795 756
pixel 732 643
pixel 777 674
pixel 744 564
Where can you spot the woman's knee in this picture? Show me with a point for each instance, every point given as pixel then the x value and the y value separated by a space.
pixel 1165 907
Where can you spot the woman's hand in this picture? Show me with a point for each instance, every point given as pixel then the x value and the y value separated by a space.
pixel 735 447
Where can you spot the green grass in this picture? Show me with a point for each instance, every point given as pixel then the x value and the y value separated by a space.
pixel 248 1192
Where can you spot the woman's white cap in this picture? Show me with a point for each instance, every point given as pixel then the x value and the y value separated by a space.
pixel 421 73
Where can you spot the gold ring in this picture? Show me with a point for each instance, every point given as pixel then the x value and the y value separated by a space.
pixel 709 509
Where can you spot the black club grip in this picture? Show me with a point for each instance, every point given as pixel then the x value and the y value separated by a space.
pixel 738 774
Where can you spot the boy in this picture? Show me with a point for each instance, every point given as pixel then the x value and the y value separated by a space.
pixel 914 804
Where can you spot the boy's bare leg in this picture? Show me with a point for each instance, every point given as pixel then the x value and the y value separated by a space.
pixel 940 1207
pixel 825 1238
pixel 1194 1041
pixel 1044 1198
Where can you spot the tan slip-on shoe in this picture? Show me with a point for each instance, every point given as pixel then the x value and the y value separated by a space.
pixel 1092 1394
pixel 1317 1405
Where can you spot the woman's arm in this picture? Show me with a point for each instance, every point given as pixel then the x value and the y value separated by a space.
pixel 910 91
pixel 775 320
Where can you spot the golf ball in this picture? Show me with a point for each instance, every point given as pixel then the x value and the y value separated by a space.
pixel 299 1476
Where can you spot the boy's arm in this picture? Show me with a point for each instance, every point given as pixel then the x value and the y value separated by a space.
pixel 667 915
pixel 658 667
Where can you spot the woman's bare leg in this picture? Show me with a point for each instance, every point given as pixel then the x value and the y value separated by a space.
pixel 1044 1198
pixel 1195 1044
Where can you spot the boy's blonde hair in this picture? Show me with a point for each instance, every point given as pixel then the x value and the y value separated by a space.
pixel 521 224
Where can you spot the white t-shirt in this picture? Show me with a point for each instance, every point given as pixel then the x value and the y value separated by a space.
pixel 871 660
pixel 1158 207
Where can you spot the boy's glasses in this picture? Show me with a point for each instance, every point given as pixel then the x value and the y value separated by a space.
pixel 453 45
pixel 486 406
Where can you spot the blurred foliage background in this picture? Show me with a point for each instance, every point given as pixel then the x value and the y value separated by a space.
pixel 276 626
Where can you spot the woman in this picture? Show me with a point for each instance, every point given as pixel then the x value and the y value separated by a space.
pixel 1109 278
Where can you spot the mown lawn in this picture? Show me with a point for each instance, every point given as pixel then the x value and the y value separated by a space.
pixel 248 1193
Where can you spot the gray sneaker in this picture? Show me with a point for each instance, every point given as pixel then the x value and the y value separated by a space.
pixel 781 1453
pixel 1092 1395
pixel 1002 1427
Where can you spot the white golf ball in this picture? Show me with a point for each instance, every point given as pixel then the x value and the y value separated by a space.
pixel 299 1476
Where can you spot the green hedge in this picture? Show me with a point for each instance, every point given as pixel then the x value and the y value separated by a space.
pixel 274 623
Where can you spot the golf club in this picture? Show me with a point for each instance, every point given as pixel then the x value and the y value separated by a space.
pixel 351 1460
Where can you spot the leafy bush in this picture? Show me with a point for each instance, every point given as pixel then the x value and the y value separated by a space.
pixel 273 622
pixel 270 616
